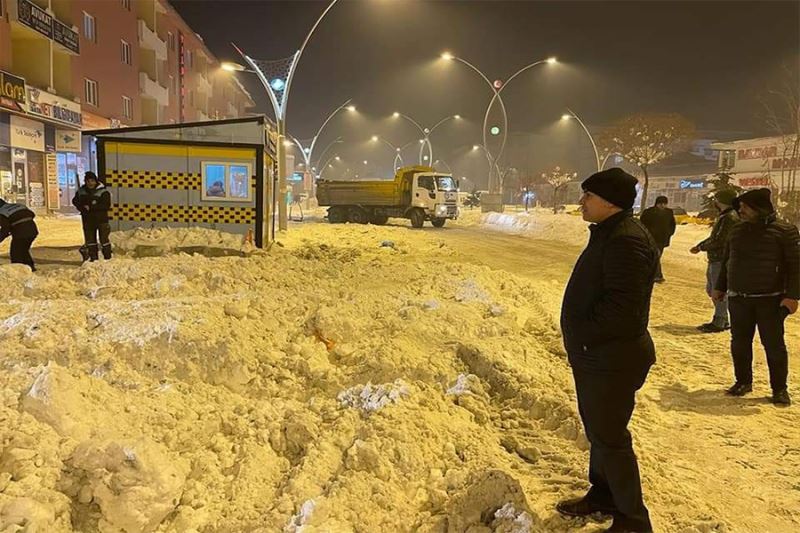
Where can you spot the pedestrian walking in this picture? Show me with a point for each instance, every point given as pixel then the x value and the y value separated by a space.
pixel 714 247
pixel 761 276
pixel 604 320
pixel 93 201
pixel 17 221
pixel 660 222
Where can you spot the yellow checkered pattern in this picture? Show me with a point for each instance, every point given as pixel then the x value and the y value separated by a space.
pixel 182 213
pixel 154 179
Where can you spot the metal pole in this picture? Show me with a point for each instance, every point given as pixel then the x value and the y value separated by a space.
pixel 594 146
pixel 283 220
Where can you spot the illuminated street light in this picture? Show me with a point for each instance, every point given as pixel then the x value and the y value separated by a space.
pixel 351 108
pixel 571 115
pixel 552 60
pixel 447 56
pixel 374 138
pixel 426 132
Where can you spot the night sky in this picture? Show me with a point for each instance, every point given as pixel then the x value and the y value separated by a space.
pixel 711 61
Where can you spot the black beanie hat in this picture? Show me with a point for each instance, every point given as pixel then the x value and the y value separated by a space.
pixel 758 199
pixel 613 185
pixel 90 175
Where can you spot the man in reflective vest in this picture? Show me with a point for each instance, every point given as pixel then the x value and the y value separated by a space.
pixel 17 220
pixel 93 201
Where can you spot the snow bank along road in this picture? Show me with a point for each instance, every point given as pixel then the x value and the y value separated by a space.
pixel 357 379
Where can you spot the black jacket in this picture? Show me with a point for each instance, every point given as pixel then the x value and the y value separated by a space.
pixel 17 220
pixel 97 200
pixel 660 222
pixel 606 305
pixel 762 258
pixel 714 245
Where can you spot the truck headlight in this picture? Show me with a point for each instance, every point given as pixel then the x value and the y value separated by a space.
pixel 441 209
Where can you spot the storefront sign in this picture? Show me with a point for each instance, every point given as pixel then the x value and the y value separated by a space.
pixel 692 184
pixel 35 17
pixel 763 152
pixel 763 181
pixel 53 192
pixel 41 21
pixel 66 37
pixel 94 122
pixel 786 162
pixel 35 195
pixel 53 107
pixel 26 134
pixel 12 92
pixel 68 141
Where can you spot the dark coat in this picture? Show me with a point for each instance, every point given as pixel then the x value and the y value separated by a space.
pixel 17 220
pixel 93 204
pixel 762 258
pixel 714 245
pixel 606 305
pixel 660 222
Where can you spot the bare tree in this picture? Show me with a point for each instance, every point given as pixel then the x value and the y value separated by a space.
pixel 645 139
pixel 558 178
pixel 783 117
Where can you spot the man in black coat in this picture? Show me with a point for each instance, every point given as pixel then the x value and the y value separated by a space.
pixel 93 201
pixel 714 246
pixel 17 220
pixel 761 276
pixel 604 321
pixel 660 222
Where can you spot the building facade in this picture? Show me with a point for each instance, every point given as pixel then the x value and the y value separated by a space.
pixel 763 162
pixel 68 66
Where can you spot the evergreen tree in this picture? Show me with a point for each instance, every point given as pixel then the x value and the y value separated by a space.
pixel 721 181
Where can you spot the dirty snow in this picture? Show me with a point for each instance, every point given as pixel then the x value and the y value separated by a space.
pixel 336 384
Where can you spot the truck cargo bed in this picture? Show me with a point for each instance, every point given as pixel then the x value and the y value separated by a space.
pixel 383 193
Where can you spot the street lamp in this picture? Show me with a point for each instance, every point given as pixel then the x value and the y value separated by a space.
pixel 496 88
pixel 426 132
pixel 571 115
pixel 278 89
pixel 398 158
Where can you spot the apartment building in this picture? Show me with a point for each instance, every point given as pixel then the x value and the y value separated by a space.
pixel 68 66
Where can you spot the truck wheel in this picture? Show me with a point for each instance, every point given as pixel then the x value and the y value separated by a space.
pixel 417 218
pixel 438 222
pixel 379 220
pixel 356 215
pixel 336 215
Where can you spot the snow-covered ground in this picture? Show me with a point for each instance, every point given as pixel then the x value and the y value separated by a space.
pixel 357 379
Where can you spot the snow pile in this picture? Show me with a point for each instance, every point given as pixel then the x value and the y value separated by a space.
pixel 160 241
pixel 369 397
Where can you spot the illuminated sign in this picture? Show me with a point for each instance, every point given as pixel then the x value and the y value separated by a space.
pixel 692 184
pixel 12 92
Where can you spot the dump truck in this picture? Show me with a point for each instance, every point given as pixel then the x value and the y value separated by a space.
pixel 417 193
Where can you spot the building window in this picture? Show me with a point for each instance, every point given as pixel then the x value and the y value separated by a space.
pixel 127 107
pixel 89 27
pixel 126 52
pixel 91 92
pixel 126 4
pixel 173 86
pixel 188 59
pixel 171 40
pixel 226 181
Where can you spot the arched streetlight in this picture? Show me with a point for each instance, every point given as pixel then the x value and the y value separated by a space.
pixel 398 158
pixel 570 115
pixel 426 132
pixel 277 90
pixel 496 88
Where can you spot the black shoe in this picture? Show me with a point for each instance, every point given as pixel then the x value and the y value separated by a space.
pixel 781 397
pixel 659 280
pixel 739 389
pixel 713 328
pixel 583 507
pixel 624 525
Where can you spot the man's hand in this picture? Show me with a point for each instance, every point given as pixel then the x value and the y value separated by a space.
pixel 789 304
pixel 717 295
pixel 694 250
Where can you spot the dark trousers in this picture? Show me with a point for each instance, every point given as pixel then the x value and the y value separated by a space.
pixel 21 250
pixel 768 315
pixel 606 403
pixel 90 233
pixel 659 274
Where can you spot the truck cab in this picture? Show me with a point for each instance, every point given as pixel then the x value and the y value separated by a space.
pixel 433 196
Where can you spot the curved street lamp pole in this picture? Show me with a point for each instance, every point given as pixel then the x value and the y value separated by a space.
pixel 398 158
pixel 327 164
pixel 426 132
pixel 279 108
pixel 572 114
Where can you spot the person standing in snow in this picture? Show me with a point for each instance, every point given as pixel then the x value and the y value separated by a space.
pixel 604 320
pixel 17 220
pixel 660 222
pixel 93 201
pixel 714 246
pixel 761 277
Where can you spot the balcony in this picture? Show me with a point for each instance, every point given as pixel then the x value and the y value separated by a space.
pixel 152 90
pixel 232 111
pixel 149 40
pixel 203 85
